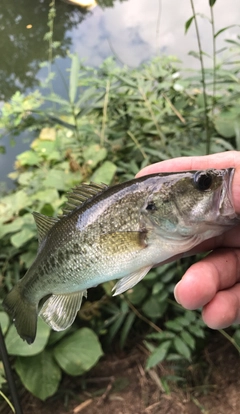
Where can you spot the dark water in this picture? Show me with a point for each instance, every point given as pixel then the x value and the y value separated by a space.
pixel 131 30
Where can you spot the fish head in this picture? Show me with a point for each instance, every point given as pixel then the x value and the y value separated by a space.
pixel 191 202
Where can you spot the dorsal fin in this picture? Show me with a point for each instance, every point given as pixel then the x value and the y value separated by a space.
pixel 44 224
pixel 80 195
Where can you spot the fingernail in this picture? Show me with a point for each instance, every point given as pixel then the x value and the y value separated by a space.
pixel 176 294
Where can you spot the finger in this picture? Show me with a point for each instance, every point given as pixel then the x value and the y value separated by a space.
pixel 220 160
pixel 224 309
pixel 219 270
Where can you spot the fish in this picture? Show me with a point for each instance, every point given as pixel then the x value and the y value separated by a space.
pixel 116 233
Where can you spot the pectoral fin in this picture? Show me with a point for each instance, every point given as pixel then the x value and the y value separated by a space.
pixel 59 311
pixel 131 280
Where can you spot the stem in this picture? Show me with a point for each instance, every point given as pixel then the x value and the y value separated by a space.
pixel 174 109
pixel 104 119
pixel 203 80
pixel 51 16
pixel 137 145
pixel 214 59
pixel 9 375
pixel 230 339
pixel 7 401
pixel 148 105
pixel 74 115
pixel 140 316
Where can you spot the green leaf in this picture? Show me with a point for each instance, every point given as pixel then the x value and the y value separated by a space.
pixel 78 352
pixel 94 154
pixel 105 173
pixel 197 331
pixel 157 287
pixel 182 348
pixel 232 42
pixel 212 2
pixel 12 204
pixel 224 124
pixel 16 346
pixel 4 322
pixel 43 147
pixel 126 328
pixel 26 234
pixel 49 195
pixel 11 227
pixel 40 374
pixel 158 354
pixel 173 325
pixel 28 158
pixel 188 23
pixel 25 178
pixel 56 179
pixel 188 339
pixel 137 294
pixel 160 336
pixel 236 337
pixel 224 29
pixel 73 83
pixel 151 308
pixel 28 257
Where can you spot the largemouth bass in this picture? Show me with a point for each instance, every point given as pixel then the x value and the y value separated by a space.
pixel 117 232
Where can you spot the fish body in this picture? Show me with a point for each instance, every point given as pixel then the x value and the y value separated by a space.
pixel 117 232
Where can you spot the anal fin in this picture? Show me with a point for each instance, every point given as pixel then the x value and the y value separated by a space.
pixel 59 311
pixel 127 282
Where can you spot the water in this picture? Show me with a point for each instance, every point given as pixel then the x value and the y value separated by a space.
pixel 132 30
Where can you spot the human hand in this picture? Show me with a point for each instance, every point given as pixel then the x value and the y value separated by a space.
pixel 214 282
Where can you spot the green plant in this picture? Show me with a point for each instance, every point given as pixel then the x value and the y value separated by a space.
pixel 115 121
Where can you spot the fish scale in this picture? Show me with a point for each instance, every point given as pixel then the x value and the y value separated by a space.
pixel 119 232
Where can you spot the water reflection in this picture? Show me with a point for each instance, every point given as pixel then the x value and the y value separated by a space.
pixel 132 30
pixel 23 25
pixel 136 30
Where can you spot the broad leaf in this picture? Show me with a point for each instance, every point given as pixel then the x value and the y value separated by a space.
pixel 78 352
pixel 40 374
pixel 151 308
pixel 28 158
pixel 16 346
pixel 224 124
pixel 27 233
pixel 93 154
pixel 105 173
pixel 12 227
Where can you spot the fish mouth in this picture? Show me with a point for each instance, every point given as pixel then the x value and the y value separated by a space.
pixel 225 203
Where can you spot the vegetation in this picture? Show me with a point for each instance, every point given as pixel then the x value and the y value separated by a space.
pixel 115 121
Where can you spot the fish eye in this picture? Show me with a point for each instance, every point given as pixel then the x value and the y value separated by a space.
pixel 151 206
pixel 202 180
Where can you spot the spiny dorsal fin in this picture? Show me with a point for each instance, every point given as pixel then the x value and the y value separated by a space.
pixel 44 224
pixel 80 195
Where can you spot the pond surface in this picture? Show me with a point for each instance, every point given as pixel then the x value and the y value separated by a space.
pixel 131 30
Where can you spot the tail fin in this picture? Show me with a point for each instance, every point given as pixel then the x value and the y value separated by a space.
pixel 23 314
